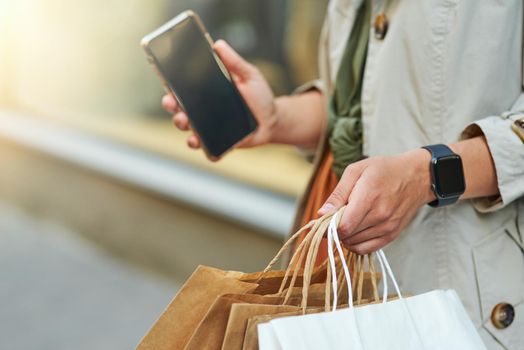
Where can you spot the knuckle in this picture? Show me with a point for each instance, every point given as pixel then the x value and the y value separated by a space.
pixel 351 169
pixel 384 213
pixel 348 170
pixel 388 238
pixel 389 229
pixel 394 225
pixel 392 233
pixel 360 250
pixel 344 230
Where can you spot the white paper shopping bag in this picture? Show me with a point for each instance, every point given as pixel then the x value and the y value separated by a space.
pixel 432 321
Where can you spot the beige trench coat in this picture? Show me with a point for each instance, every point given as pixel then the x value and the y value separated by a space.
pixel 446 70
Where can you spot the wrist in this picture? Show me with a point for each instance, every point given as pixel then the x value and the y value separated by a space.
pixel 276 119
pixel 297 119
pixel 421 174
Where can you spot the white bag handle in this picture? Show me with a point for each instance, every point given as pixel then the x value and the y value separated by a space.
pixel 332 236
pixel 384 262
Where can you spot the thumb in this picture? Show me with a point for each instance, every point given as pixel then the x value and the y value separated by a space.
pixel 233 62
pixel 340 195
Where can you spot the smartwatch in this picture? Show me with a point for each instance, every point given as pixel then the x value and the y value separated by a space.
pixel 447 175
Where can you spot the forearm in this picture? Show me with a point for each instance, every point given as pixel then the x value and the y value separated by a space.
pixel 479 171
pixel 300 119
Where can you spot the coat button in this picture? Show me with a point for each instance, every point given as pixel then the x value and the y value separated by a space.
pixel 502 315
pixel 381 26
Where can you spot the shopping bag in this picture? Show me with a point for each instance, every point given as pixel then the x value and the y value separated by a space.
pixel 209 334
pixel 238 319
pixel 250 341
pixel 237 333
pixel 212 329
pixel 370 281
pixel 178 322
pixel 184 316
pixel 434 320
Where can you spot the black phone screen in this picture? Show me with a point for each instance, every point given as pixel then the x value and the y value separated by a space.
pixel 217 111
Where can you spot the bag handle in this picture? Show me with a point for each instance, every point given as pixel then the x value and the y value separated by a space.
pixel 381 256
pixel 373 278
pixel 318 226
pixel 312 256
pixel 308 250
pixel 384 262
pixel 332 236
pixel 287 245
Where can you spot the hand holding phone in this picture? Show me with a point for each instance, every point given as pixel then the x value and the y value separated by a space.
pixel 223 101
pixel 252 86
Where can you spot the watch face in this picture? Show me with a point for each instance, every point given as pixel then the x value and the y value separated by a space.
pixel 449 176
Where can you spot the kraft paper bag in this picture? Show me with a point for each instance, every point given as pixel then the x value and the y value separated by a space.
pixel 180 319
pixel 251 332
pixel 193 315
pixel 238 317
pixel 209 333
pixel 178 322
pixel 170 332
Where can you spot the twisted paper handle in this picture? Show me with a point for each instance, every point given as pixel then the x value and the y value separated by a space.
pixel 308 249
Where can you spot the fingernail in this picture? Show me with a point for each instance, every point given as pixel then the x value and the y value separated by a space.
pixel 326 208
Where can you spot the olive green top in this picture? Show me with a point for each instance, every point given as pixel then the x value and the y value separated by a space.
pixel 344 113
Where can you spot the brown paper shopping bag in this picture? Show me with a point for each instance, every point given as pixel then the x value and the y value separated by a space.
pixel 183 320
pixel 239 316
pixel 174 329
pixel 178 322
pixel 250 341
pixel 209 333
pixel 365 283
pixel 293 295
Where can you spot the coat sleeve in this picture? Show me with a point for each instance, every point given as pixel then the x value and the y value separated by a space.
pixel 309 86
pixel 506 144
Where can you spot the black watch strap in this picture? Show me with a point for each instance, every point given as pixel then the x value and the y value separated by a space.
pixel 439 202
pixel 438 151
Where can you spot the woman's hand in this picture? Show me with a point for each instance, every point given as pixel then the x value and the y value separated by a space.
pixel 382 195
pixel 252 86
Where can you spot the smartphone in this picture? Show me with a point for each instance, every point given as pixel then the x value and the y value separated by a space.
pixel 181 53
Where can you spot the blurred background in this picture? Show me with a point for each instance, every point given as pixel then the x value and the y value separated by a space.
pixel 104 212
